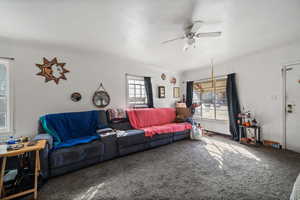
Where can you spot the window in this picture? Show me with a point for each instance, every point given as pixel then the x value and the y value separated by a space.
pixel 136 93
pixel 5 107
pixel 212 100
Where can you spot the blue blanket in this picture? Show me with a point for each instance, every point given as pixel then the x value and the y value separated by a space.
pixel 69 129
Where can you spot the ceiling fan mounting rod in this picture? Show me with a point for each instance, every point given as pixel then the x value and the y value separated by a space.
pixel 190 35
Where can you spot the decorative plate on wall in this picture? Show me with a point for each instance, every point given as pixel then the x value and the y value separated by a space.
pixel 173 80
pixel 76 97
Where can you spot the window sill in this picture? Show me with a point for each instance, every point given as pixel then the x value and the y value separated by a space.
pixel 138 106
pixel 211 120
pixel 6 132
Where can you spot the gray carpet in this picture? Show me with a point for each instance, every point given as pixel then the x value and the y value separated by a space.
pixel 214 168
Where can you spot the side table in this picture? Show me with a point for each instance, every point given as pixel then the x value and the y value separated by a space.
pixel 35 148
pixel 256 132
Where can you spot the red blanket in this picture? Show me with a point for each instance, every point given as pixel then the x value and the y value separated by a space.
pixel 156 121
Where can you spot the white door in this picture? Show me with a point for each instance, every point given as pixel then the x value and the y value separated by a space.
pixel 293 107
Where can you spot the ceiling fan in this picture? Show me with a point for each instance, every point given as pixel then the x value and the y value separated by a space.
pixel 192 33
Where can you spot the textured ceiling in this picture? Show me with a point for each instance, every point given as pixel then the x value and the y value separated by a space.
pixel 136 28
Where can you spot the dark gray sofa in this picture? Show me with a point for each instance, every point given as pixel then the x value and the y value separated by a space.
pixel 60 161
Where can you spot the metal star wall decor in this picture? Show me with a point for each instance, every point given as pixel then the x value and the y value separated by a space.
pixel 52 70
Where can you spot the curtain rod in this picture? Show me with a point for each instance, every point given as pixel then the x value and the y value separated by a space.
pixel 136 75
pixel 203 79
pixel 7 58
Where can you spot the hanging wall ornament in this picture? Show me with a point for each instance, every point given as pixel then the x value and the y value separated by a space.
pixel 52 70
pixel 163 76
pixel 101 98
pixel 173 80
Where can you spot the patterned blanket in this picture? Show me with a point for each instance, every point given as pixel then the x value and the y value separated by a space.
pixel 116 115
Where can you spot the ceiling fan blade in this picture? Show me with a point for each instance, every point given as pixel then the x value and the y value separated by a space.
pixel 189 13
pixel 193 27
pixel 209 34
pixel 196 26
pixel 178 38
pixel 212 22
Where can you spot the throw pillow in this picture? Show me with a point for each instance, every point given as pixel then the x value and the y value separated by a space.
pixel 182 114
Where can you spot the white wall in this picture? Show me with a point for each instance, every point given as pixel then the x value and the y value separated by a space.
pixel 34 98
pixel 259 82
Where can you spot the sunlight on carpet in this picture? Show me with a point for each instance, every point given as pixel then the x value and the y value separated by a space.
pixel 217 149
pixel 90 192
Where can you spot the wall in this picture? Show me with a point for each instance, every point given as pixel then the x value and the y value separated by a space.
pixel 259 81
pixel 33 97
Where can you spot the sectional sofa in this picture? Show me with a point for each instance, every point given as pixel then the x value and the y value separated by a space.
pixel 60 161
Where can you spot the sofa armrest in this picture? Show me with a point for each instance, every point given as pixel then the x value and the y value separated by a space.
pixel 45 136
pixel 191 121
pixel 44 154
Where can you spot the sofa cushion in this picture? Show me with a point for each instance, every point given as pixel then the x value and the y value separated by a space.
pixel 116 115
pixel 71 125
pixel 132 149
pixel 103 118
pixel 120 125
pixel 182 114
pixel 76 141
pixel 181 135
pixel 74 166
pixel 163 141
pixel 132 137
pixel 102 121
pixel 110 146
pixel 166 128
pixel 156 121
pixel 79 153
pixel 142 118
pixel 161 136
pixel 182 132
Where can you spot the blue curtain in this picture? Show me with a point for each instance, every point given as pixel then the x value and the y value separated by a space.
pixel 148 88
pixel 189 93
pixel 233 106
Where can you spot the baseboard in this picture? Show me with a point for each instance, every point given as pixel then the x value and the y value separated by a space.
pixel 217 133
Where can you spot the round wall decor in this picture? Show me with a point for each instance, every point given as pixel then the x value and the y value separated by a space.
pixel 173 80
pixel 75 96
pixel 163 76
pixel 101 98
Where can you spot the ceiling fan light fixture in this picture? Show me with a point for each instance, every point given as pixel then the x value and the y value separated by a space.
pixel 192 33
pixel 186 47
